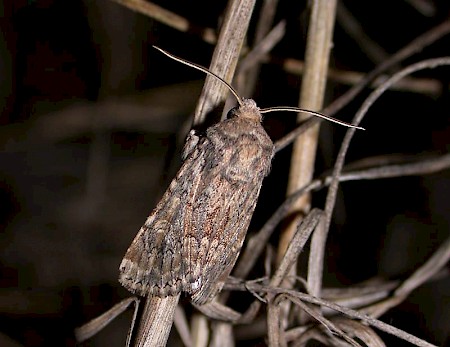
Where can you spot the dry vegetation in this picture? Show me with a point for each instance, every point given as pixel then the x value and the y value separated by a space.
pixel 349 244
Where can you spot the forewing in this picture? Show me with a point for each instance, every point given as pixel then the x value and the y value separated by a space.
pixel 154 263
pixel 230 224
pixel 226 199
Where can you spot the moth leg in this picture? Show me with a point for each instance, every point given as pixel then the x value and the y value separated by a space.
pixel 191 142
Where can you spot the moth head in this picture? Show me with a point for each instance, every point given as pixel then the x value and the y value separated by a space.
pixel 247 109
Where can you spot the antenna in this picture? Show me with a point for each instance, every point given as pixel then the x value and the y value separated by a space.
pixel 241 100
pixel 314 113
pixel 203 69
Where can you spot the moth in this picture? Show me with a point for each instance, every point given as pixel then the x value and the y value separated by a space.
pixel 191 240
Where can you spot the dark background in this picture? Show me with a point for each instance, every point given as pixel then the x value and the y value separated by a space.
pixel 91 124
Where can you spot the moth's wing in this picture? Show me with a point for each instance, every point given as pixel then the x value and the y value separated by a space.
pixel 227 235
pixel 153 263
pixel 222 212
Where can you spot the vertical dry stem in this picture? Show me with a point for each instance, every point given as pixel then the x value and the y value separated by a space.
pixel 262 29
pixel 313 86
pixel 225 57
pixel 156 322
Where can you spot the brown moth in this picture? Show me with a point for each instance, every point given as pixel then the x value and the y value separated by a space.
pixel 191 240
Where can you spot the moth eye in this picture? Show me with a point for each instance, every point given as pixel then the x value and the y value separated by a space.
pixel 232 113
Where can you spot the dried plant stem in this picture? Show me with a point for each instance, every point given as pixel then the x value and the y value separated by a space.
pixel 156 321
pixel 162 15
pixel 424 7
pixel 332 192
pixel 413 47
pixel 413 84
pixel 332 328
pixel 95 325
pixel 223 335
pixel 318 47
pixel 251 63
pixel 200 331
pixel 331 197
pixel 436 262
pixel 308 224
pixel 289 294
pixel 246 84
pixel 355 30
pixel 182 326
pixel 225 57
pixel 373 168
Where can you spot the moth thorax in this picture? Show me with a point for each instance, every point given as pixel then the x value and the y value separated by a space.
pixel 248 110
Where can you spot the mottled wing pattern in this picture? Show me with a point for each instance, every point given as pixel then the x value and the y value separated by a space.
pixel 225 247
pixel 153 263
pixel 225 202
pixel 193 237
